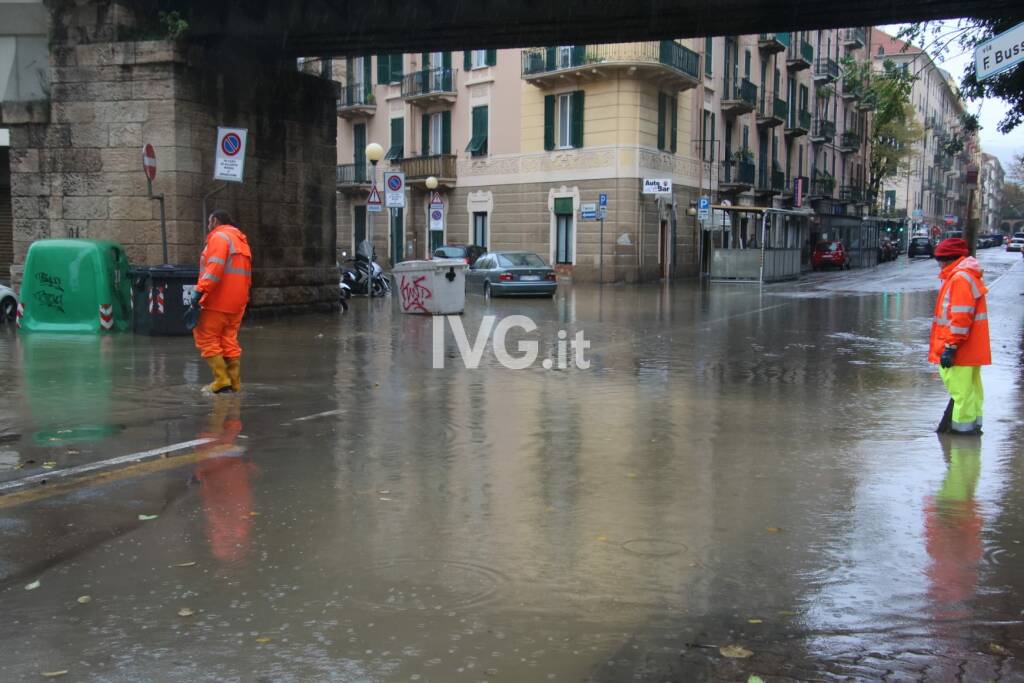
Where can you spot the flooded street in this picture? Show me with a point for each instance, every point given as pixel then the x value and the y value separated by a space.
pixel 737 466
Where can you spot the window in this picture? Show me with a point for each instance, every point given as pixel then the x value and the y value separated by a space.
pixel 389 68
pixel 358 226
pixel 563 237
pixel 708 44
pixel 480 229
pixel 520 260
pixel 565 53
pixel 436 132
pixel 478 138
pixel 668 122
pixel 478 59
pixel 563 121
pixel 803 98
pixel 746 64
pixel 397 148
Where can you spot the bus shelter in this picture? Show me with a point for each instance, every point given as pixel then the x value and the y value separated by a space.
pixel 753 244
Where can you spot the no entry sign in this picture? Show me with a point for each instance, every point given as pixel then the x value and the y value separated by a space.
pixel 230 162
pixel 149 161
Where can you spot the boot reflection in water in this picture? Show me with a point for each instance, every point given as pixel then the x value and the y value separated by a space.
pixel 953 530
pixel 224 482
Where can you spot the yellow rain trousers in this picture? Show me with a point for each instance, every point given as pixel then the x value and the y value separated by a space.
pixel 963 382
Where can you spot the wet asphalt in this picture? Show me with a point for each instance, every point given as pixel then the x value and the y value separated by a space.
pixel 737 466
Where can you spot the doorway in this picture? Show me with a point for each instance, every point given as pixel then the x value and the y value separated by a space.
pixel 397 237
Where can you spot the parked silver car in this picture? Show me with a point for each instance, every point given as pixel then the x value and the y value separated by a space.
pixel 8 304
pixel 504 273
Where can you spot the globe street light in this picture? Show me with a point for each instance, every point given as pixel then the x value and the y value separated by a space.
pixel 374 152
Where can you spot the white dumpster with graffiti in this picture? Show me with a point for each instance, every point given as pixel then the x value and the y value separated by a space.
pixel 436 287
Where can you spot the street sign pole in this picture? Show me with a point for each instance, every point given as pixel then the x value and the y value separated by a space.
pixel 149 168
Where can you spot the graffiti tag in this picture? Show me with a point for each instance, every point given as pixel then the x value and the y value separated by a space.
pixel 50 300
pixel 50 281
pixel 414 294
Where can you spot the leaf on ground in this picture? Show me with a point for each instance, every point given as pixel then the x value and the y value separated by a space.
pixel 787 613
pixel 55 674
pixel 735 652
pixel 755 679
pixel 184 564
pixel 755 621
pixel 32 586
pixel 49 464
pixel 186 612
pixel 146 518
pixel 263 640
pixel 602 539
pixel 773 529
pixel 997 649
pixel 85 599
pixel 254 514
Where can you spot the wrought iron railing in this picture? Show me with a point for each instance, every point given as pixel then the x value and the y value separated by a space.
pixel 357 95
pixel 438 165
pixel 824 128
pixel 354 174
pixel 427 81
pixel 669 53
pixel 738 172
pixel 826 68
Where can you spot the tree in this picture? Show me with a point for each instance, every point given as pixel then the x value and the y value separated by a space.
pixel 1013 201
pixel 967 33
pixel 1016 171
pixel 894 130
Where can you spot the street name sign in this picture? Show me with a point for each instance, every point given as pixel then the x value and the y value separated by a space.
pixel 588 212
pixel 229 163
pixel 999 53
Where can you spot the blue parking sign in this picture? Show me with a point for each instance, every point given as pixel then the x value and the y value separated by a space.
pixel 602 199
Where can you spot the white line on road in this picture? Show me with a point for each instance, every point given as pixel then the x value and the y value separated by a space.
pixel 8 487
pixel 307 418
pixel 745 313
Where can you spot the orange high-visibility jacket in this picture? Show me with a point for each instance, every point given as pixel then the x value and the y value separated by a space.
pixel 961 315
pixel 225 270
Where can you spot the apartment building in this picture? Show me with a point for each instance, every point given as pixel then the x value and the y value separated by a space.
pixel 990 194
pixel 934 195
pixel 518 140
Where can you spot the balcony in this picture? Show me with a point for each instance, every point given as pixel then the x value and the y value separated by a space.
pixel 823 131
pixel 773 42
pixel 741 100
pixel 429 86
pixel 851 194
pixel 851 89
pixel 664 62
pixel 893 213
pixel 770 182
pixel 771 112
pixel 854 38
pixel 799 123
pixel 354 177
pixel 800 57
pixel 737 176
pixel 418 169
pixel 849 142
pixel 822 186
pixel 826 70
pixel 356 101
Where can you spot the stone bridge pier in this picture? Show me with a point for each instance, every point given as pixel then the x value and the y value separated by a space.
pixel 76 160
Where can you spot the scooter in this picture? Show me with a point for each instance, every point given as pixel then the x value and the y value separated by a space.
pixel 354 280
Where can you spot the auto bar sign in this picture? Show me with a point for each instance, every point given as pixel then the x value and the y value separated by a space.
pixel 657 186
pixel 999 53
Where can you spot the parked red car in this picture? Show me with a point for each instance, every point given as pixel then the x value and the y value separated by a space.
pixel 829 253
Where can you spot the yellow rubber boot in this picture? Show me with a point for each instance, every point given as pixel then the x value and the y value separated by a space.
pixel 221 381
pixel 235 373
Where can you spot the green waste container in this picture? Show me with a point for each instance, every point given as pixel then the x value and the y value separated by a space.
pixel 75 286
pixel 160 295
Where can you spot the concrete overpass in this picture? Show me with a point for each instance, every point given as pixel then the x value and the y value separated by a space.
pixel 342 27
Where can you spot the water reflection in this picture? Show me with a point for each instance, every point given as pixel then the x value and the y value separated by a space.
pixel 225 488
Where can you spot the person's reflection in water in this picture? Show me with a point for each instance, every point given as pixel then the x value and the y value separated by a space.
pixel 224 485
pixel 953 530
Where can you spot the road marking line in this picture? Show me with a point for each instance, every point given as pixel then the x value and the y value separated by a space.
pixel 745 313
pixel 307 418
pixel 18 484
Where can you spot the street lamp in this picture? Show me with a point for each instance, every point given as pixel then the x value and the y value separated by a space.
pixel 431 184
pixel 374 152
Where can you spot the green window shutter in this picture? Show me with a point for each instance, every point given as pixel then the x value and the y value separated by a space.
pixel 674 137
pixel 550 58
pixel 383 70
pixel 712 136
pixel 708 44
pixel 397 149
pixel 425 125
pixel 396 67
pixel 577 118
pixel 424 61
pixel 446 60
pixel 549 122
pixel 662 106
pixel 348 71
pixel 492 57
pixel 367 74
pixel 579 54
pixel 446 131
pixel 563 205
pixel 467 59
pixel 478 141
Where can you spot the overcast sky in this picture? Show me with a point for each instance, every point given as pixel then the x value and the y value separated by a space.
pixel 990 112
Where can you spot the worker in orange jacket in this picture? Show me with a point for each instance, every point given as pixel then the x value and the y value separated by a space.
pixel 225 276
pixel 959 340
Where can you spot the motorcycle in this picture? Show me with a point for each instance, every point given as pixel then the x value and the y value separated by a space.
pixel 365 268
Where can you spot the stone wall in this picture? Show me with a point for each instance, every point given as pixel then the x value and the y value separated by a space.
pixel 81 173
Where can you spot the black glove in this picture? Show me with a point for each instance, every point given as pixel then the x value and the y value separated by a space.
pixel 948 356
pixel 194 298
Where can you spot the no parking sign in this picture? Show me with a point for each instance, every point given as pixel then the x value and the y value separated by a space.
pixel 230 162
pixel 394 190
pixel 436 219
